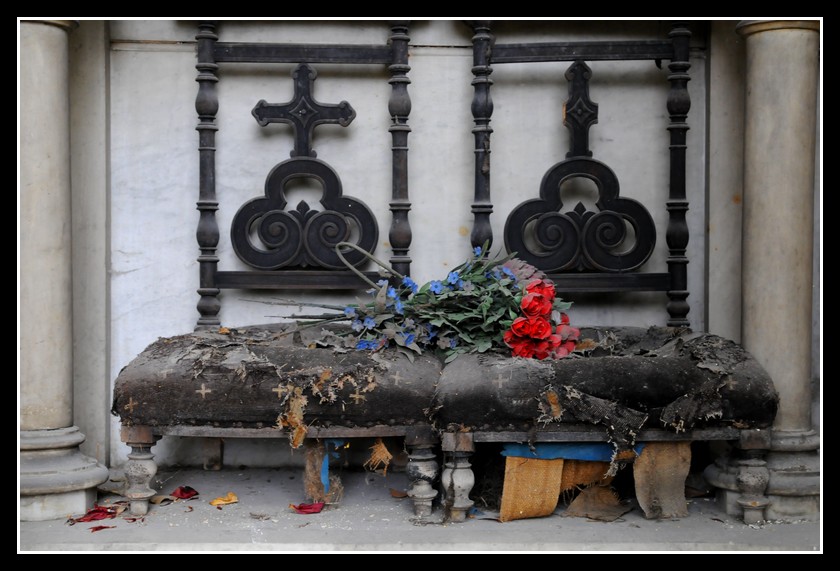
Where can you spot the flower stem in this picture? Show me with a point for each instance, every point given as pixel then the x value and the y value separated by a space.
pixel 370 257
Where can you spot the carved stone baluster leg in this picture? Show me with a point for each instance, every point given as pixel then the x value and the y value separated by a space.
pixel 422 469
pixel 753 477
pixel 742 477
pixel 140 468
pixel 457 478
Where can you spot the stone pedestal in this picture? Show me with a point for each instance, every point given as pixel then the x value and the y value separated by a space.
pixel 55 477
pixel 782 81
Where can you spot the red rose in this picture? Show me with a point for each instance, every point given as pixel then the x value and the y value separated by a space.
pixel 534 327
pixel 520 327
pixel 568 332
pixel 559 352
pixel 541 287
pixel 542 349
pixel 536 305
pixel 564 319
pixel 540 327
pixel 563 349
pixel 521 346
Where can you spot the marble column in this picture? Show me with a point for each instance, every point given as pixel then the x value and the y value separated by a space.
pixel 56 479
pixel 782 82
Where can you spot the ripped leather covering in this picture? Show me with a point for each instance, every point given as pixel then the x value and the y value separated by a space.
pixel 258 377
pixel 622 379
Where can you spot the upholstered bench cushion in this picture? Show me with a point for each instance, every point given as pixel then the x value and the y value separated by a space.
pixel 625 379
pixel 249 377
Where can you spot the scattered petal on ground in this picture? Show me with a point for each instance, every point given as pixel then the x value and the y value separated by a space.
pixel 161 500
pixel 308 508
pixel 229 498
pixel 97 513
pixel 184 493
pixel 101 527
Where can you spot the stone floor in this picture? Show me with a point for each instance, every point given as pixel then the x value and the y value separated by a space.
pixel 370 519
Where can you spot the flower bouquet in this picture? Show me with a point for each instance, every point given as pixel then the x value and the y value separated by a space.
pixel 482 305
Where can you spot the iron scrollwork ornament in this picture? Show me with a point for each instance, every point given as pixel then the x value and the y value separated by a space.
pixel 267 236
pixel 580 239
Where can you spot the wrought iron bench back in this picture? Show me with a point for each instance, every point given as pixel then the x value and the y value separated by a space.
pixel 293 246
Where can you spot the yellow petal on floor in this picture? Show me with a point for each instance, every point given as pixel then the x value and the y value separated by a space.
pixel 230 498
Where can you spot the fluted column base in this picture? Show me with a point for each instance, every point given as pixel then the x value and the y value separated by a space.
pixel 794 486
pixel 56 479
pixel 783 485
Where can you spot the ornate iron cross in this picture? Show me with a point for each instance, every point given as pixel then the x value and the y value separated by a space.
pixel 303 112
pixel 579 111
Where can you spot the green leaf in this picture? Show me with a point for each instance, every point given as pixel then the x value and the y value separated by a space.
pixel 561 305
pixel 407 354
pixel 483 345
pixel 380 300
pixel 383 317
pixel 452 356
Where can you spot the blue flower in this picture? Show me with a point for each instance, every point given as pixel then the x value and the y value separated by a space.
pixel 508 272
pixel 436 286
pixel 357 325
pixel 392 293
pixel 363 344
pixel 453 343
pixel 382 283
pixel 398 307
pixel 462 284
pixel 432 332
pixel 477 251
pixel 409 338
pixel 410 284
pixel 452 278
pixel 468 287
pixel 369 322
pixel 350 311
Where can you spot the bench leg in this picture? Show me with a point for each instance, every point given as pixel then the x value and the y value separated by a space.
pixel 752 479
pixel 422 469
pixel 213 451
pixel 660 473
pixel 140 468
pixel 457 478
pixel 741 477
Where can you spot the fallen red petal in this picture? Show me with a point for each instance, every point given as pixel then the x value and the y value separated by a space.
pixel 101 527
pixel 184 493
pixel 308 508
pixel 96 513
pixel 398 493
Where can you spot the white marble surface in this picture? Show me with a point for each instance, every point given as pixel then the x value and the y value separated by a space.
pixel 45 287
pixel 778 194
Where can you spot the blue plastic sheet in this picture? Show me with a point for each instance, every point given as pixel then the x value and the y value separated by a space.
pixel 331 447
pixel 595 451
